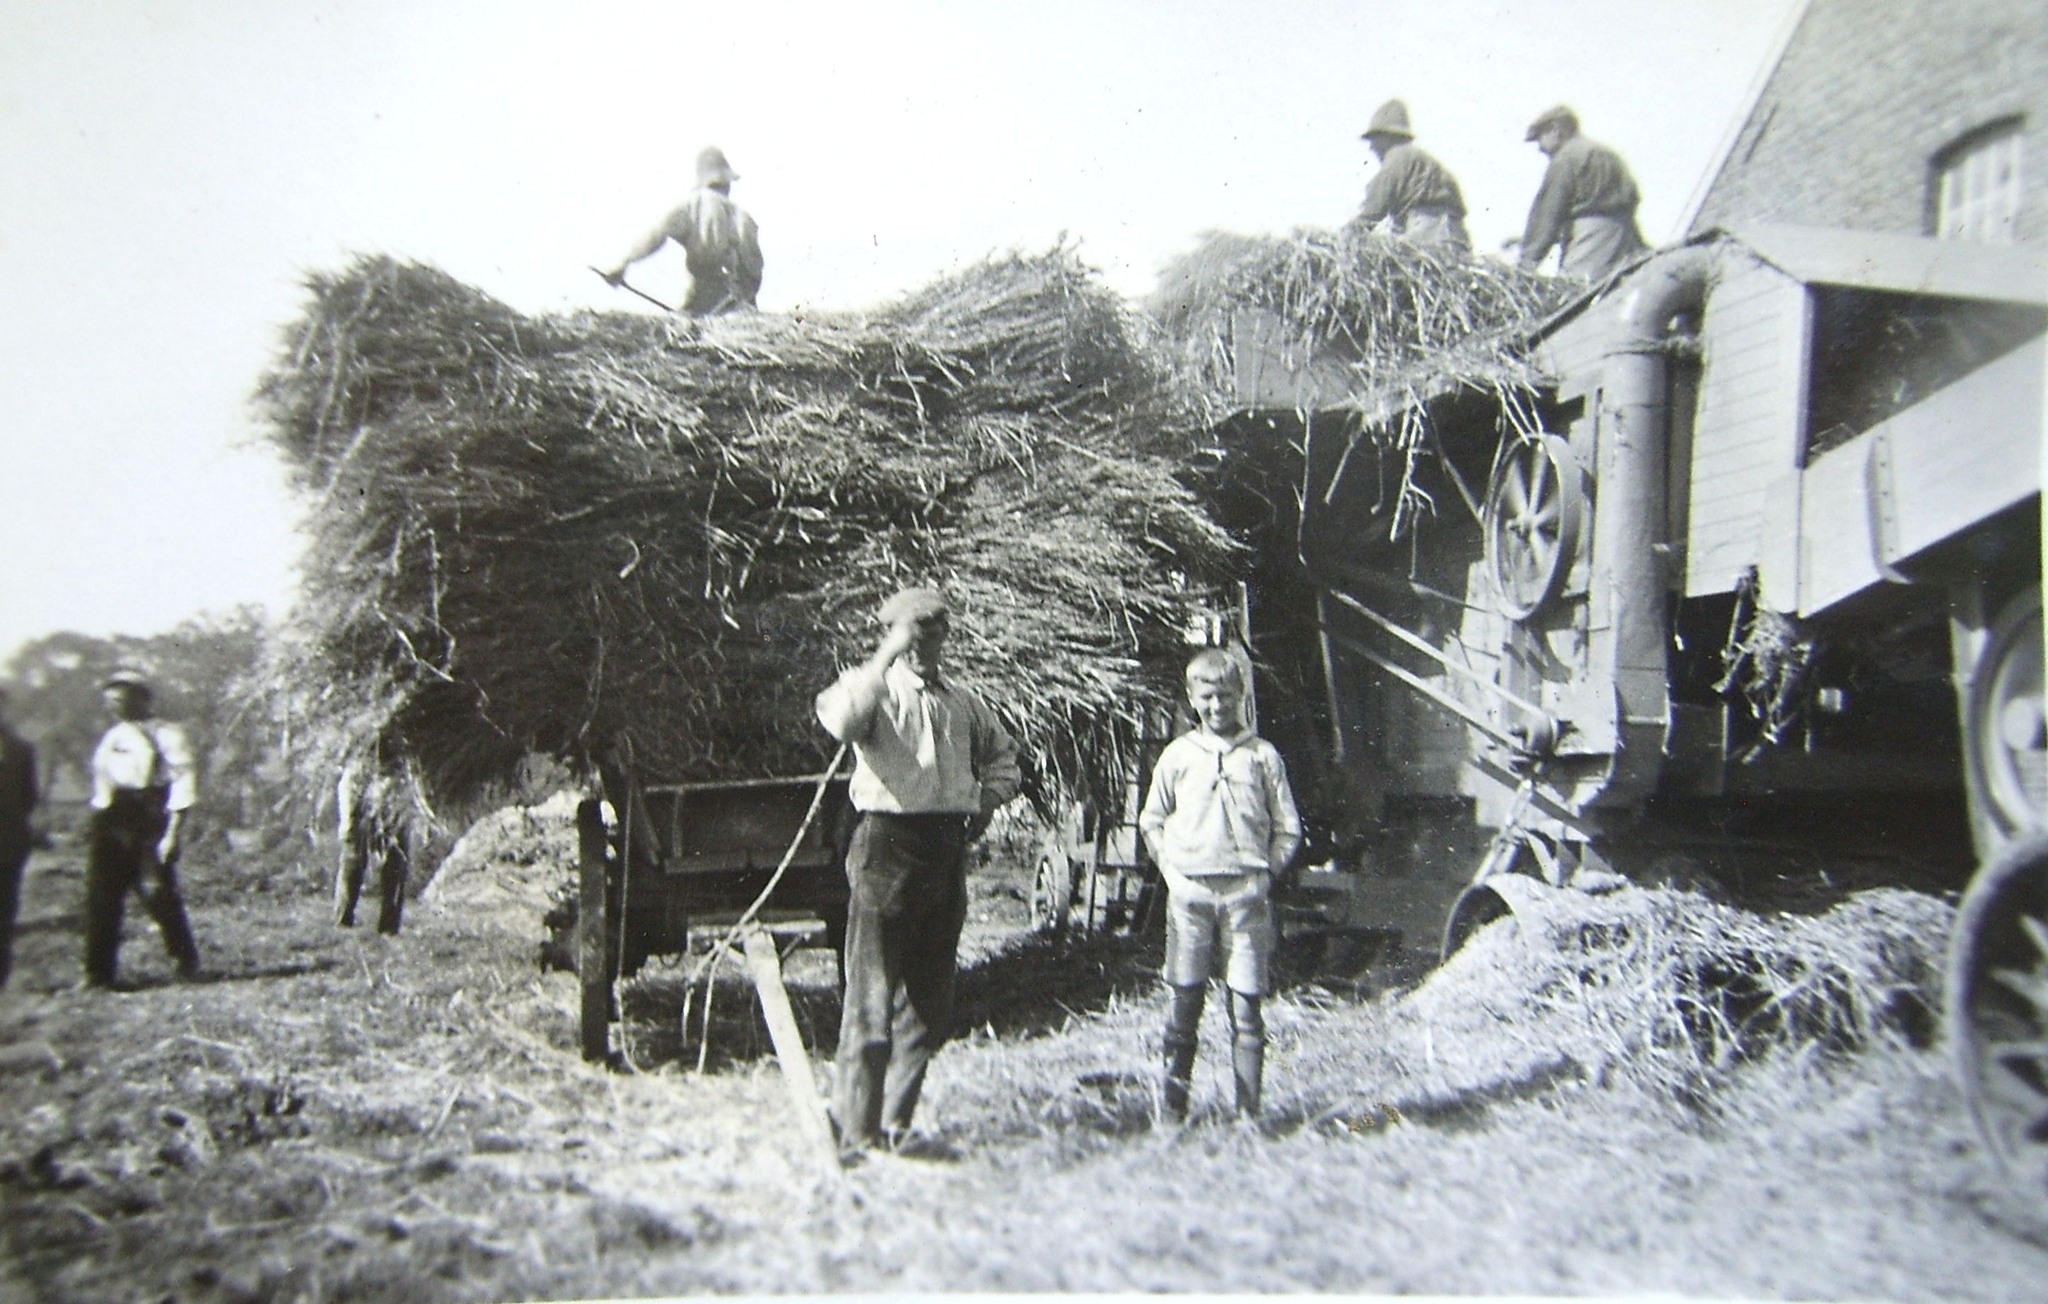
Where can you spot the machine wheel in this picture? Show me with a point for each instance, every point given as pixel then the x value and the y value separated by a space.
pixel 2005 734
pixel 594 959
pixel 1520 870
pixel 1997 1005
pixel 1534 511
pixel 1052 891
pixel 1479 905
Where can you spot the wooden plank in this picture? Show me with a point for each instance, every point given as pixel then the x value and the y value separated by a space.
pixel 1906 264
pixel 1936 469
pixel 1968 451
pixel 1273 372
pixel 1746 433
pixel 764 963
pixel 1837 543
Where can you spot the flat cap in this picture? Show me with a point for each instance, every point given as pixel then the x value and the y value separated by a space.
pixel 913 604
pixel 1555 115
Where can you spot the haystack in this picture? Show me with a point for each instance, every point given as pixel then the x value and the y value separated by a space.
pixel 1669 990
pixel 561 534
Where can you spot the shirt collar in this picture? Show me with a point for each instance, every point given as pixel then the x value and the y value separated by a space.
pixel 934 683
pixel 1209 742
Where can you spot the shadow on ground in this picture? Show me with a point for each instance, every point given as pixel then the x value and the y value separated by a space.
pixel 1031 986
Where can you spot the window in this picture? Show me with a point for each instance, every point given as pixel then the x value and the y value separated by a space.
pixel 1976 189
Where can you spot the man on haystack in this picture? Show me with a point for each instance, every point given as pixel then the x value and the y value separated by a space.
pixel 142 786
pixel 721 245
pixel 1586 206
pixel 932 764
pixel 1412 192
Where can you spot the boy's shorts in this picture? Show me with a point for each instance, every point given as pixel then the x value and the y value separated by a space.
pixel 1221 922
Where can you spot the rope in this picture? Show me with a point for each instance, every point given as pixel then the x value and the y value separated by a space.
pixel 724 946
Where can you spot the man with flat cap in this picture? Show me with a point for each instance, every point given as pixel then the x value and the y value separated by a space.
pixel 142 786
pixel 1586 206
pixel 721 245
pixel 931 765
pixel 1413 193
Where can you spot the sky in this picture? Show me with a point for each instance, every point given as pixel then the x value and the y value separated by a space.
pixel 172 170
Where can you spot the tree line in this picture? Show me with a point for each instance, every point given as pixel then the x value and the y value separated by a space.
pixel 208 675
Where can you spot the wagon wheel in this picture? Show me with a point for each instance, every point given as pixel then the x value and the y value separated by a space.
pixel 1534 510
pixel 1052 890
pixel 1997 998
pixel 2005 736
pixel 594 953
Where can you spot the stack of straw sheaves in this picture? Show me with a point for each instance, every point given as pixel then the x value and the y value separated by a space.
pixel 564 534
pixel 1407 319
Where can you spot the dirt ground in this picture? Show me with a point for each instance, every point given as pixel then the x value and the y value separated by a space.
pixel 336 1115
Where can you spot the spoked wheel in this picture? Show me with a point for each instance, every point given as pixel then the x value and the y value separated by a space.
pixel 1997 1002
pixel 1534 510
pixel 1052 891
pixel 2005 731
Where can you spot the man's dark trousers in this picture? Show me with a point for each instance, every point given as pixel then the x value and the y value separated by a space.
pixel 16 840
pixel 909 900
pixel 123 858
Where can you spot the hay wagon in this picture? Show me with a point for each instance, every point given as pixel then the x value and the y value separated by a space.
pixel 694 856
pixel 1093 872
pixel 1762 521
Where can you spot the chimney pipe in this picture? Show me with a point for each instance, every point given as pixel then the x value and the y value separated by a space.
pixel 1629 512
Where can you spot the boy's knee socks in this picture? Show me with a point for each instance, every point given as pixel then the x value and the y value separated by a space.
pixel 1247 1051
pixel 1182 1025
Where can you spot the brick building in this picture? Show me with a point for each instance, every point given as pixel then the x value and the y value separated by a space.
pixel 1913 117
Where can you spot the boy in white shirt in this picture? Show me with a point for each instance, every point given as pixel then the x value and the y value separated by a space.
pixel 1220 822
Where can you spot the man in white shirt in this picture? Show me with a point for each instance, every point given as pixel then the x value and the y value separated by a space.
pixel 143 784
pixel 932 764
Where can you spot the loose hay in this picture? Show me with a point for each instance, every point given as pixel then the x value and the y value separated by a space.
pixel 1403 323
pixel 564 534
pixel 509 870
pixel 1670 989
pixel 1404 318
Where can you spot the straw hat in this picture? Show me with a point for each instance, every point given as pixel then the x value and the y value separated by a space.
pixel 712 169
pixel 1390 119
pixel 126 677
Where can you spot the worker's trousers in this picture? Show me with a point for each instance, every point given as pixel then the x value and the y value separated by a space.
pixel 1437 227
pixel 909 900
pixel 122 859
pixel 1599 244
pixel 369 839
pixel 15 843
